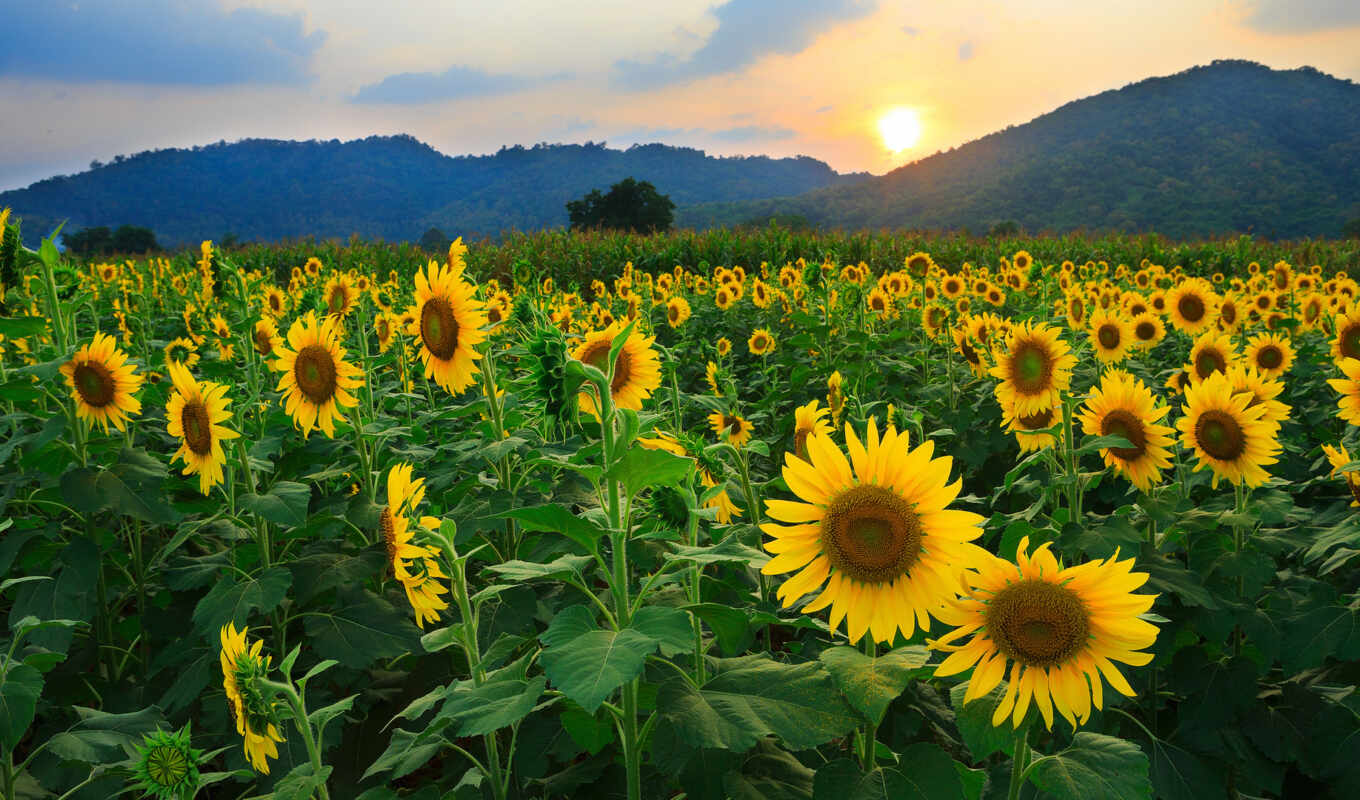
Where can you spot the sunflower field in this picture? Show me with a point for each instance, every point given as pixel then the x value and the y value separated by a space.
pixel 762 515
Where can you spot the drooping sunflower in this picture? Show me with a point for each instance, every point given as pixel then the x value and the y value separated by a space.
pixel 718 499
pixel 1349 388
pixel 449 320
pixel 807 420
pixel 194 415
pixel 713 374
pixel 1213 353
pixel 1193 305
pixel 415 566
pixel 677 311
pixel 1061 629
pixel 1227 434
pixel 731 427
pixel 1271 354
pixel 102 383
pixel 1031 430
pixel 1111 336
pixel 181 350
pixel 1124 406
pixel 973 356
pixel 316 378
pixel 761 342
pixel 637 369
pixel 254 711
pixel 1035 364
pixel 264 337
pixel 875 528
pixel 1338 458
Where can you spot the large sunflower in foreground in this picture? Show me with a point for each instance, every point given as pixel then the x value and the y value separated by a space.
pixel 1270 353
pixel 448 320
pixel 1227 433
pixel 194 415
pixel 875 528
pixel 1060 629
pixel 1346 342
pixel 315 378
pixel 102 383
pixel 243 670
pixel 637 370
pixel 1349 387
pixel 1124 406
pixel 1035 364
pixel 415 566
pixel 1192 305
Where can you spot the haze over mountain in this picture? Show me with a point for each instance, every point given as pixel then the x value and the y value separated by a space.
pixel 393 187
pixel 1229 147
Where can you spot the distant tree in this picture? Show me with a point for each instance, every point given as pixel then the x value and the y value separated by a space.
pixel 1008 228
pixel 630 205
pixel 134 239
pixel 1351 230
pixel 228 240
pixel 89 242
pixel 789 221
pixel 434 241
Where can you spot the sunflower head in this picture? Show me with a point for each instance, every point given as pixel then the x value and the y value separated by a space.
pixel 761 342
pixel 548 373
pixel 102 383
pixel 1035 364
pixel 1124 406
pixel 167 765
pixel 1227 433
pixel 636 369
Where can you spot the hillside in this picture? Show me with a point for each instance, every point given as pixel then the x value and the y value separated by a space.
pixel 390 187
pixel 1230 147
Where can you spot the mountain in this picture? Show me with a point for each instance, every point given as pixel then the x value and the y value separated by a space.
pixel 1230 147
pixel 392 187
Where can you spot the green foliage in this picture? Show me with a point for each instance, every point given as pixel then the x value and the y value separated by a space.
pixel 629 205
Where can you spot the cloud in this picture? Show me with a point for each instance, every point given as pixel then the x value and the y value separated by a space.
pixel 752 133
pixel 965 51
pixel 1302 16
pixel 910 30
pixel 162 42
pixel 824 109
pixel 747 30
pixel 454 83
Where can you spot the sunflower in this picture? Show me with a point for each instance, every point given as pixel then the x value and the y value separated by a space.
pixel 316 378
pixel 1227 433
pixel 1270 354
pixel 1124 406
pixel 1229 316
pixel 879 303
pixel 677 311
pixel 1076 311
pixel 1035 365
pixel 265 336
pixel 732 426
pixel 725 509
pixel 724 346
pixel 722 298
pixel 194 415
pixel 415 566
pixel 275 301
pixel 952 286
pixel 1061 630
pixel 1148 330
pixel 312 267
pixel 977 361
pixel 876 528
pixel 181 350
pixel 220 327
pixel 1213 352
pixel 933 319
pixel 761 343
pixel 384 325
pixel 102 383
pixel 1346 342
pixel 1111 336
pixel 449 319
pixel 1193 305
pixel 243 671
pixel 1349 387
pixel 1338 458
pixel 808 419
pixel 637 370
pixel 835 395
pixel 1031 430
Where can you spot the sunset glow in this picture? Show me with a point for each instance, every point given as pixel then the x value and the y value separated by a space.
pixel 900 129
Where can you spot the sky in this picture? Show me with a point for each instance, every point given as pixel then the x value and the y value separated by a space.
pixel 82 80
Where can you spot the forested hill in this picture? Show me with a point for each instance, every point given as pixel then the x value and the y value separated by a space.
pixel 391 187
pixel 1230 147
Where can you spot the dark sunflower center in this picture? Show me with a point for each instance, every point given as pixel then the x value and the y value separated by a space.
pixel 1228 313
pixel 800 438
pixel 1031 367
pixel 1108 335
pixel 1145 331
pixel 731 424
pixel 877 303
pixel 1191 307
pixel 95 384
pixel 969 353
pixel 871 534
pixel 623 370
pixel 493 315
pixel 1270 357
pixel 197 427
pixel 1037 623
pixel 388 527
pixel 439 328
pixel 1350 341
pixel 760 343
pixel 673 313
pixel 1038 421
pixel 1220 435
pixel 384 329
pixel 262 343
pixel 314 372
pixel 336 302
pixel 1122 422
pixel 1210 361
pixel 275 304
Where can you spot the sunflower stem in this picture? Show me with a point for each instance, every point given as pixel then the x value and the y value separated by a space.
pixel 1019 761
pixel 299 708
pixel 868 735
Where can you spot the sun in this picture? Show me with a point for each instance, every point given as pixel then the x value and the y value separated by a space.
pixel 900 128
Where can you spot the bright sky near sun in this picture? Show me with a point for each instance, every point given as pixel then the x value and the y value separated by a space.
pixel 861 84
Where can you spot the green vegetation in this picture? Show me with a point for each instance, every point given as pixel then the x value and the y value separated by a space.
pixel 630 205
